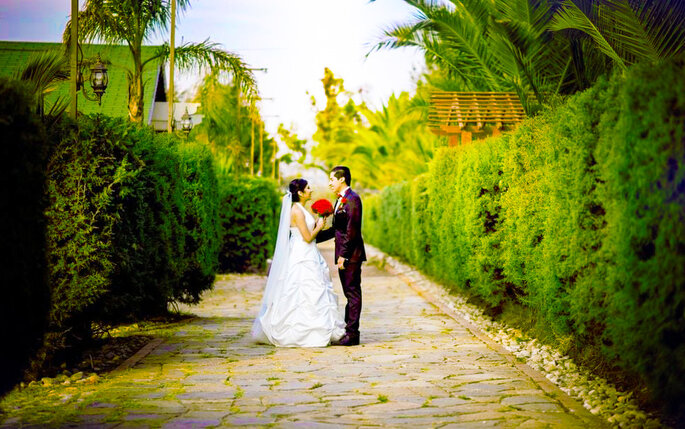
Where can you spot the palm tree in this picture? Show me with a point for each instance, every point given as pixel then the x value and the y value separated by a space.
pixel 625 31
pixel 498 45
pixel 394 144
pixel 542 47
pixel 382 147
pixel 43 72
pixel 230 125
pixel 132 22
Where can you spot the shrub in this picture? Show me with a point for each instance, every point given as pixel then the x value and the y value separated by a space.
pixel 579 215
pixel 89 167
pixel 132 224
pixel 149 237
pixel 24 274
pixel 249 220
pixel 200 221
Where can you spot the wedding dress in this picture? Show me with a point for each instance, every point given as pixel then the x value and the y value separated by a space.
pixel 299 308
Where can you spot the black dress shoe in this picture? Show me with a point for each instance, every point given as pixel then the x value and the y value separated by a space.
pixel 348 340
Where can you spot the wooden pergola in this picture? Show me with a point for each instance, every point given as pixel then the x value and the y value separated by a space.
pixel 460 115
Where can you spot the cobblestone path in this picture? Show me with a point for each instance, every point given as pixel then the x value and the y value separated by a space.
pixel 416 367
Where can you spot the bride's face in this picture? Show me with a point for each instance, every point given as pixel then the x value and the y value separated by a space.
pixel 306 194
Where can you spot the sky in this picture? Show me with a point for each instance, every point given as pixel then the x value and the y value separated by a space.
pixel 293 39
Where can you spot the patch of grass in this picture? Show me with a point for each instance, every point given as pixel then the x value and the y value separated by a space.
pixel 239 392
pixel 316 386
pixel 464 397
pixel 382 399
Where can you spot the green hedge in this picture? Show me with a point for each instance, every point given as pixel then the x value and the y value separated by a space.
pixel 578 215
pixel 250 208
pixel 23 284
pixel 132 224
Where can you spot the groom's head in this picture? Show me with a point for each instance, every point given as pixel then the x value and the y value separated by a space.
pixel 339 178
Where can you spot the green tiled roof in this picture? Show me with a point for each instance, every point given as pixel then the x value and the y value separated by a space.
pixel 14 55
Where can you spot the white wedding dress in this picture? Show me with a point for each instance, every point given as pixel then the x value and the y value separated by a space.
pixel 299 308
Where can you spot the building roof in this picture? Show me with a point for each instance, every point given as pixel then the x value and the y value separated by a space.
pixel 14 56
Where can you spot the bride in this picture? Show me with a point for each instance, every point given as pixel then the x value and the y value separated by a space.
pixel 299 307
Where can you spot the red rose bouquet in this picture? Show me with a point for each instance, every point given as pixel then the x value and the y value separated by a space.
pixel 322 207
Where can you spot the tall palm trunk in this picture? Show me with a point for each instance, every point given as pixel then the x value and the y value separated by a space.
pixel 136 90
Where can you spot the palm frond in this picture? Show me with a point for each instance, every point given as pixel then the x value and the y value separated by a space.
pixel 664 22
pixel 44 70
pixel 646 31
pixel 570 16
pixel 208 54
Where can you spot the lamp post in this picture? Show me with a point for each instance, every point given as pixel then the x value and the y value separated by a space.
pixel 186 123
pixel 172 41
pixel 73 61
pixel 99 79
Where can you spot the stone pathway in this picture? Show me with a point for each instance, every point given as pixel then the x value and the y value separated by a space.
pixel 416 367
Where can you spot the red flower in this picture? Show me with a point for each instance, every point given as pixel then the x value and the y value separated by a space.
pixel 343 200
pixel 322 207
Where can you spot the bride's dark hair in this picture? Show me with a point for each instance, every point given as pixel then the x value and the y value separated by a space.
pixel 295 186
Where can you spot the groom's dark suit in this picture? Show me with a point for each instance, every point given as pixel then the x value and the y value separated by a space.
pixel 347 230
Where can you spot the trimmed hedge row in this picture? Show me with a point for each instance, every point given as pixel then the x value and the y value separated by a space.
pixel 105 221
pixel 250 209
pixel 578 215
pixel 24 290
pixel 132 226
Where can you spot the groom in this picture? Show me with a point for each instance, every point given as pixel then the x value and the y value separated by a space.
pixel 349 248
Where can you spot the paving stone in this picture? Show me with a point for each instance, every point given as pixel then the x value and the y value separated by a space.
pixel 240 420
pixel 143 416
pixel 526 399
pixel 184 423
pixel 548 407
pixel 289 410
pixel 210 395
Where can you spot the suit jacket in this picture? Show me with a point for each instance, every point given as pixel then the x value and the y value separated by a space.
pixel 347 229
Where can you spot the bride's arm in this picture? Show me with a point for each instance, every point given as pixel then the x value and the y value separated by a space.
pixel 307 235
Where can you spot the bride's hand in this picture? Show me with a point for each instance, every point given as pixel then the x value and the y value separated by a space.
pixel 319 222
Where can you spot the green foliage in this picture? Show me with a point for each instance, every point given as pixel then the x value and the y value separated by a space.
pixel 132 224
pixel 24 272
pixel 200 221
pixel 578 215
pixel 641 154
pixel 249 219
pixel 232 128
pixel 536 47
pixel 89 168
pixel 380 147
pixel 149 239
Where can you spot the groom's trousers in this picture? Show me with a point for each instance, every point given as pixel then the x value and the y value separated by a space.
pixel 351 280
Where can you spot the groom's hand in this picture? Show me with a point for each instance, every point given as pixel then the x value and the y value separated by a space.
pixel 341 263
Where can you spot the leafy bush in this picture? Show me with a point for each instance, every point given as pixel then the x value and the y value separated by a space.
pixel 25 294
pixel 200 221
pixel 578 215
pixel 249 219
pixel 149 237
pixel 89 168
pixel 132 224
